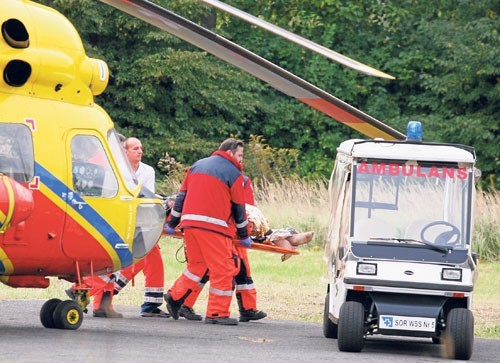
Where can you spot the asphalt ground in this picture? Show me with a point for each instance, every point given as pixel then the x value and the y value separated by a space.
pixel 138 339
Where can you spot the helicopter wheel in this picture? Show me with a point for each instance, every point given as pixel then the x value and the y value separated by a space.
pixel 47 313
pixel 68 315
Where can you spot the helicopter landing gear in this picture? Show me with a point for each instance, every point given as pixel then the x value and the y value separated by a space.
pixel 59 314
pixel 81 297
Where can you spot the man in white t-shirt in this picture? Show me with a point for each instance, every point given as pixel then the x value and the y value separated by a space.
pixel 145 173
pixel 152 264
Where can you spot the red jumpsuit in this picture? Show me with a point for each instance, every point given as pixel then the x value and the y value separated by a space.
pixel 212 205
pixel 246 293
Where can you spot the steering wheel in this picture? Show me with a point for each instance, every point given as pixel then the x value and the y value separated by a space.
pixel 448 237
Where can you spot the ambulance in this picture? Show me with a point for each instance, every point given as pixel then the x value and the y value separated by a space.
pixel 399 245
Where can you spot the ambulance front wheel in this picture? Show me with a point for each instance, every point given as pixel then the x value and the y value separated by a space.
pixel 458 337
pixel 351 328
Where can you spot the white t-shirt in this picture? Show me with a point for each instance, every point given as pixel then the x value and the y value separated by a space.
pixel 146 176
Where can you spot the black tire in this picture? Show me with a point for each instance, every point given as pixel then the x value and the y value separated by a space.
pixel 68 315
pixel 459 334
pixel 47 313
pixel 351 327
pixel 330 329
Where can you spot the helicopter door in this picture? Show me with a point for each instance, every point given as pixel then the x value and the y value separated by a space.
pixel 97 213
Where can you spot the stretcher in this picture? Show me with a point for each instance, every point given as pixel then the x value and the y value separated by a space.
pixel 266 246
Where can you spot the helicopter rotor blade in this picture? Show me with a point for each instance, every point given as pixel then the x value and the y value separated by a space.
pixel 270 73
pixel 303 42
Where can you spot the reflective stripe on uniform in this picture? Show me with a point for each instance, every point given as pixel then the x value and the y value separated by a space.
pixel 221 292
pixel 191 276
pixel 105 278
pixel 154 289
pixel 200 218
pixel 243 224
pixel 153 299
pixel 120 281
pixel 153 295
pixel 174 213
pixel 245 287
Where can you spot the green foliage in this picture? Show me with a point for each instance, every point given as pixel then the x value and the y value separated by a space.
pixel 178 99
pixel 262 162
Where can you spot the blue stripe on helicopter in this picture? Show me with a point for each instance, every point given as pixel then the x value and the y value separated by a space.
pixel 73 200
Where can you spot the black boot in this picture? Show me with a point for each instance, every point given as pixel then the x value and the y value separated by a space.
pixel 247 315
pixel 105 310
pixel 173 306
pixel 189 314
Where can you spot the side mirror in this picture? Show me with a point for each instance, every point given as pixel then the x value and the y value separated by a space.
pixel 474 257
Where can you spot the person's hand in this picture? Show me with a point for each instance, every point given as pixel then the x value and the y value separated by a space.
pixel 169 229
pixel 246 242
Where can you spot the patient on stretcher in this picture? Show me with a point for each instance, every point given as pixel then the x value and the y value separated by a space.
pixel 284 237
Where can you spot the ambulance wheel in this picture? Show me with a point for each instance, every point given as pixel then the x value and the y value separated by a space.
pixel 47 313
pixel 68 315
pixel 351 327
pixel 458 336
pixel 329 327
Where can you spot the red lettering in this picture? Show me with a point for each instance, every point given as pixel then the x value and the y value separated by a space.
pixel 434 172
pixel 363 168
pixel 462 173
pixel 407 170
pixel 419 172
pixel 448 172
pixel 393 169
pixel 378 168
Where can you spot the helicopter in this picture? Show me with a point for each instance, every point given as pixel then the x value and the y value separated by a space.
pixel 70 205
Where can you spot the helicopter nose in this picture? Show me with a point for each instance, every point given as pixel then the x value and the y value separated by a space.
pixel 16 203
pixel 148 229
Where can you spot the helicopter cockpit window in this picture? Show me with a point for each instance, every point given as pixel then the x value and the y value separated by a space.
pixel 92 172
pixel 16 152
pixel 118 152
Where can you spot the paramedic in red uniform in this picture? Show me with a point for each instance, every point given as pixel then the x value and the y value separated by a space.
pixel 210 209
pixel 246 294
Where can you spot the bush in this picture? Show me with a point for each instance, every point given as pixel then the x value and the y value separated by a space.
pixel 486 237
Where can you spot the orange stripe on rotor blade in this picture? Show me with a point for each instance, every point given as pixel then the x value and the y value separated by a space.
pixel 346 118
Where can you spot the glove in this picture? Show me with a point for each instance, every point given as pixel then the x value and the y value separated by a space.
pixel 246 242
pixel 169 229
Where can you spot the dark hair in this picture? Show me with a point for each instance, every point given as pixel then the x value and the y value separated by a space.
pixel 231 144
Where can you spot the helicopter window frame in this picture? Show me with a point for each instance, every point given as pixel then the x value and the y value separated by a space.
pixel 17 159
pixel 124 167
pixel 92 173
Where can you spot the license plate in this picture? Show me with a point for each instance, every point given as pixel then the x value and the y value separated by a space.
pixel 407 323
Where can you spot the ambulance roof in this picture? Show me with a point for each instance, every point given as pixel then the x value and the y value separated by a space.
pixel 400 150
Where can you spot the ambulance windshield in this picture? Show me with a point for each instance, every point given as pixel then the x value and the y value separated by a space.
pixel 409 201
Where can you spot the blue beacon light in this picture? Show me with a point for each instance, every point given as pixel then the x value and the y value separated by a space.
pixel 414 131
